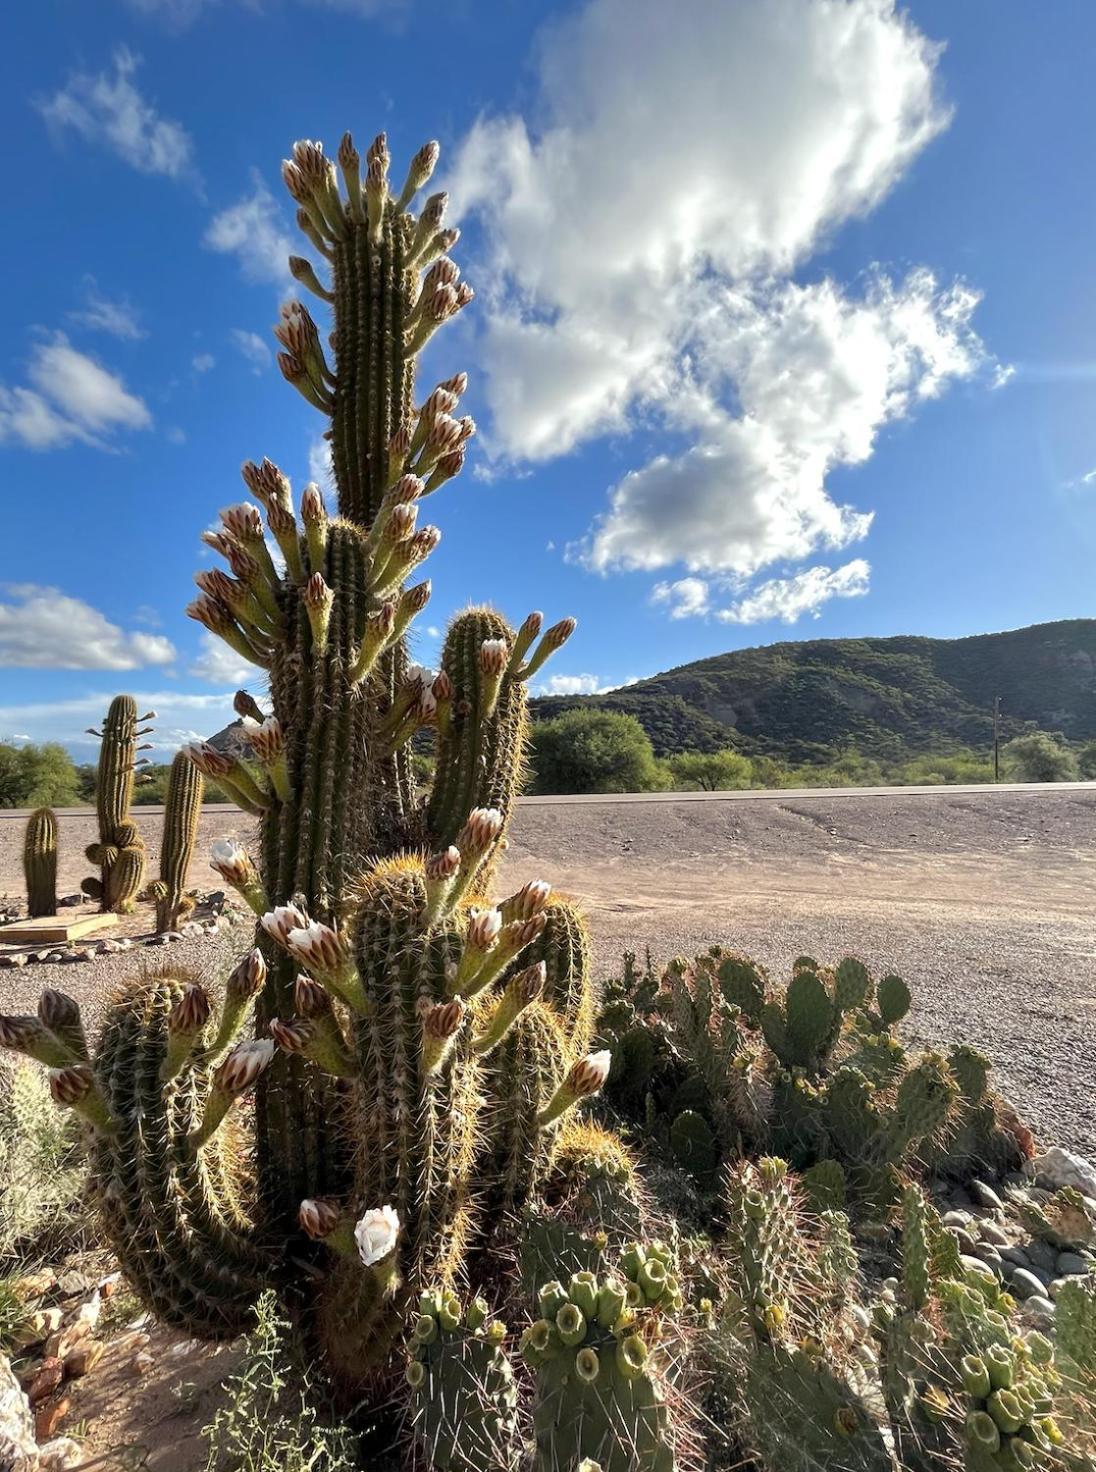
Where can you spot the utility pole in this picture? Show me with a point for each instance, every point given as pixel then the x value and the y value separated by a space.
pixel 996 743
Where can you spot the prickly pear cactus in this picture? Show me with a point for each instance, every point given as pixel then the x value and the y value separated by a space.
pixel 120 854
pixel 595 1350
pixel 40 862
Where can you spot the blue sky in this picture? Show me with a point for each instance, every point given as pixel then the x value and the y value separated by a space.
pixel 784 324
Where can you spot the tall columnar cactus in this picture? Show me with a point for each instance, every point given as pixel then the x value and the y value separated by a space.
pixel 415 1046
pixel 181 814
pixel 40 862
pixel 119 853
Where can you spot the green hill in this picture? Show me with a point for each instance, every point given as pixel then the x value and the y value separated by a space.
pixel 888 698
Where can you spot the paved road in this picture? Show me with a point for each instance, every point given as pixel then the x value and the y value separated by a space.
pixel 601 799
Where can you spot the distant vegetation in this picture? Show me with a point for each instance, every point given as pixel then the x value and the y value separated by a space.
pixel 46 776
pixel 890 699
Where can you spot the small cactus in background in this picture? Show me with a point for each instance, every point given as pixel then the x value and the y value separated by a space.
pixel 182 811
pixel 119 853
pixel 40 862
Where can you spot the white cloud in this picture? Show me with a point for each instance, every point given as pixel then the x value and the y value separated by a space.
pixel 176 435
pixel 319 462
pixel 113 315
pixel 43 628
pixel 252 347
pixel 217 664
pixel 71 397
pixel 179 718
pixel 685 598
pixel 253 231
pixel 203 362
pixel 571 685
pixel 787 599
pixel 107 108
pixel 639 259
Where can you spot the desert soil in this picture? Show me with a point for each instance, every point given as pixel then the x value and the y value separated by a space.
pixel 983 902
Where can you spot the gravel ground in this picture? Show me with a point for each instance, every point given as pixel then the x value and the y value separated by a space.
pixel 981 901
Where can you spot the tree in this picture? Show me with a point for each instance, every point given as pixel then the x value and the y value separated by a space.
pixel 593 751
pixel 711 771
pixel 1037 756
pixel 1086 761
pixel 37 776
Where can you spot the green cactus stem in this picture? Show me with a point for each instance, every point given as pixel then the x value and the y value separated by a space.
pixel 40 862
pixel 119 853
pixel 182 811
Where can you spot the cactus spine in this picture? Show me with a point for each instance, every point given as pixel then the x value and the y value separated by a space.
pixel 40 862
pixel 119 853
pixel 181 814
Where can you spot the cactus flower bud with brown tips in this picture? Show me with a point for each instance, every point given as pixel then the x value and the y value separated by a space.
pixel 420 170
pixel 60 1014
pixel 303 271
pixel 319 1217
pixel 191 1012
pixel 236 867
pixel 281 920
pixel 27 1035
pixel 292 1035
pixel 74 1087
pixel 552 639
pixel 318 598
pixel 530 900
pixel 244 1066
pixel 457 384
pixel 310 998
pixel 586 1077
pixel 520 993
pixel 481 828
pixel 440 1024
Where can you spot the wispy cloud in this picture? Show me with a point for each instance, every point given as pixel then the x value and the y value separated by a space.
pixel 179 718
pixel 785 600
pixel 115 316
pixel 43 628
pixel 253 230
pixel 640 269
pixel 70 397
pixel 252 347
pixel 107 109
pixel 203 362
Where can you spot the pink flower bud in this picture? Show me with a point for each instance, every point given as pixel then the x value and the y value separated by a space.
pixel 529 984
pixel 416 598
pixel 348 154
pixel 530 899
pixel 588 1075
pixel 406 490
pixel 441 401
pixel 559 633
pixel 309 998
pixel 464 295
pixel 266 739
pixel 493 656
pixel 247 978
pixel 317 946
pixel 441 1022
pixel 433 212
pixel 292 1035
pixel 243 521
pixel 481 828
pixel 400 525
pixel 442 687
pixel 207 611
pixel 244 1065
pixel 191 1012
pixel 483 929
pixel 209 761
pixel 58 1011
pixel 423 543
pixel 443 272
pixel 281 920
pixel 70 1086
pixel 318 1217
pixel 378 151
pixel 317 594
pixel 444 865
pixel 457 384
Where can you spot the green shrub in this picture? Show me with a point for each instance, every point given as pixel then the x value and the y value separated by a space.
pixel 39 1165
pixel 37 776
pixel 1037 756
pixel 268 1423
pixel 593 751
pixel 711 771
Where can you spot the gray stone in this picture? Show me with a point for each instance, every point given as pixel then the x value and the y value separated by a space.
pixel 966 1240
pixel 1038 1310
pixel 1042 1255
pixel 986 1196
pixel 18 1450
pixel 60 1454
pixel 989 1255
pixel 20 958
pixel 961 1197
pixel 991 1232
pixel 1056 1287
pixel 957 1219
pixel 1025 1284
pixel 1070 1263
pixel 1016 1256
pixel 1057 1167
pixel 984 1270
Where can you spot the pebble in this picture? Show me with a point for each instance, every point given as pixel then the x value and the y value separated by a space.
pixel 1038 1310
pixel 19 959
pixel 986 1196
pixel 1070 1263
pixel 989 1255
pixel 980 1269
pixel 959 1219
pixel 1025 1284
pixel 60 1454
pixel 961 1197
pixel 39 1326
pixel 40 1383
pixel 991 1232
pixel 82 1361
pixel 144 1361
pixel 968 1244
pixel 1042 1255
pixel 47 1418
pixel 1058 1167
pixel 1016 1255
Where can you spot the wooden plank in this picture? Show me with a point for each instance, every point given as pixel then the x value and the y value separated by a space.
pixel 53 929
